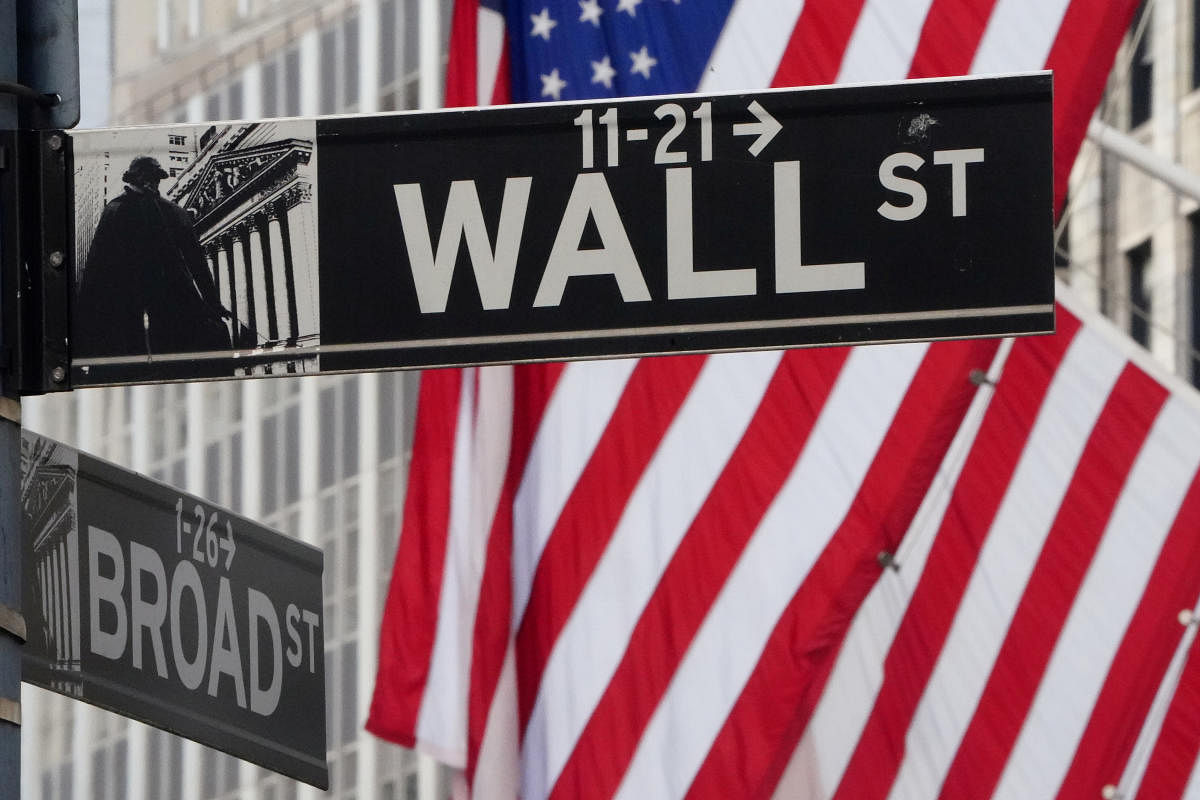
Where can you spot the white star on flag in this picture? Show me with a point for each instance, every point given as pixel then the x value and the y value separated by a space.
pixel 628 5
pixel 642 62
pixel 553 84
pixel 542 24
pixel 590 11
pixel 603 72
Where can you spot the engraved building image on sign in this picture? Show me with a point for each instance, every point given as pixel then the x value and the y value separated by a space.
pixel 196 245
pixel 48 509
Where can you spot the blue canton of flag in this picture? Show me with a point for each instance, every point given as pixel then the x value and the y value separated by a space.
pixel 583 49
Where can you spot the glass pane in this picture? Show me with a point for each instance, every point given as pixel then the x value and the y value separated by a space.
pixel 212 472
pixel 328 455
pixel 291 462
pixel 350 428
pixel 349 691
pixel 350 62
pixel 235 471
pixel 291 70
pixel 388 411
pixel 270 464
pixel 329 72
pixel 387 42
pixel 120 765
pixel 270 89
pixel 235 100
pixel 208 772
pixel 175 772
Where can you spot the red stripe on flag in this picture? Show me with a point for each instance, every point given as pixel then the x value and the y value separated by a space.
pixel 814 53
pixel 926 624
pixel 532 388
pixel 774 707
pixel 648 405
pixel 462 68
pixel 1082 57
pixel 692 580
pixel 1070 545
pixel 406 636
pixel 1178 745
pixel 1141 664
pixel 950 37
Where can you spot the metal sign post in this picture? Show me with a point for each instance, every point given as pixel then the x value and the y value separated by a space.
pixel 837 215
pixel 11 635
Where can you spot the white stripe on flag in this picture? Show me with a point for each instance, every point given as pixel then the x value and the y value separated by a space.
pixel 1107 600
pixel 804 515
pixel 1019 36
pixel 443 716
pixel 496 769
pixel 1077 394
pixel 672 489
pixel 884 41
pixel 489 47
pixel 575 419
pixel 751 45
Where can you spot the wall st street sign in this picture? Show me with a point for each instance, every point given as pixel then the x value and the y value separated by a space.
pixel 163 607
pixel 915 210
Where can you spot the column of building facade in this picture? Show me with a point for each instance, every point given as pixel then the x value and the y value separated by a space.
pixel 242 234
pixel 90 426
pixel 252 81
pixel 280 209
pixel 251 490
pixel 368 610
pixel 310 487
pixel 261 224
pixel 227 247
pixel 139 459
pixel 212 259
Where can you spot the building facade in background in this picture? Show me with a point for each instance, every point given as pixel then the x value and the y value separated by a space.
pixel 322 458
pixel 1129 241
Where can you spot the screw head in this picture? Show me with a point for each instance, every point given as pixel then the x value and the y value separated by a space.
pixel 58 374
pixel 55 141
pixel 56 258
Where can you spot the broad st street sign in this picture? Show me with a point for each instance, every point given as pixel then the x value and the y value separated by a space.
pixel 915 210
pixel 163 607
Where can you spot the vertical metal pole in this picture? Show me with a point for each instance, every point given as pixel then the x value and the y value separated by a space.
pixel 10 437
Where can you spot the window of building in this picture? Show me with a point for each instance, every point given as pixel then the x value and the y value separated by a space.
pixel 398 57
pixel 291 82
pixel 339 67
pixel 235 101
pixel 1194 230
pixel 329 71
pixel 1196 44
pixel 270 89
pixel 212 106
pixel 1141 72
pixel 1138 262
pixel 350 61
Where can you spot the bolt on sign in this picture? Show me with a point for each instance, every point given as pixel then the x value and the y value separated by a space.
pixel 168 609
pixel 795 217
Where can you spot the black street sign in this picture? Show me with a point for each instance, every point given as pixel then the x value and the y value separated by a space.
pixel 165 608
pixel 915 210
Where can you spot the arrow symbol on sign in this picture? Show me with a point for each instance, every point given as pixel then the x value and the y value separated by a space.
pixel 765 129
pixel 227 545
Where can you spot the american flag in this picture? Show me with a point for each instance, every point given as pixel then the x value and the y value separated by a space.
pixel 956 570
